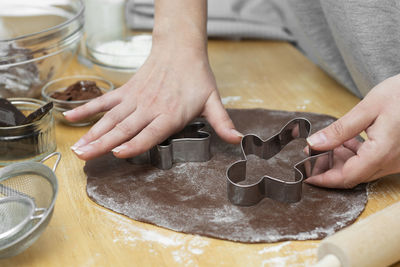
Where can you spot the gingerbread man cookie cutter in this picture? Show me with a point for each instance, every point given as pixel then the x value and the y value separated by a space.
pixel 192 144
pixel 269 187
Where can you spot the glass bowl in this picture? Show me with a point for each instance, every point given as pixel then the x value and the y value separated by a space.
pixel 61 106
pixel 117 59
pixel 37 41
pixel 32 141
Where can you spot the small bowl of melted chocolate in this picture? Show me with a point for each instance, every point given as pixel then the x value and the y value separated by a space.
pixel 70 92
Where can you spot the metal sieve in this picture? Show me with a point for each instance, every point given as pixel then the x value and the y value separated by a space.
pixel 15 213
pixel 28 191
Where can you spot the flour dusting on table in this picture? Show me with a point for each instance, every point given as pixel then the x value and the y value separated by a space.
pixel 291 258
pixel 185 249
pixel 230 99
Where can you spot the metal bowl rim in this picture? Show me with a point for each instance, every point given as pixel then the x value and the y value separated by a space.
pixel 53 181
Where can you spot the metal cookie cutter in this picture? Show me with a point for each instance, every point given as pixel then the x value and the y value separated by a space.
pixel 191 144
pixel 289 192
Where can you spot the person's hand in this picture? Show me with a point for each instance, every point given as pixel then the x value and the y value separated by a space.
pixel 174 86
pixel 355 162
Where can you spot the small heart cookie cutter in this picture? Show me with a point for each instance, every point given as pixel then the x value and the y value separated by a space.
pixel 192 144
pixel 270 187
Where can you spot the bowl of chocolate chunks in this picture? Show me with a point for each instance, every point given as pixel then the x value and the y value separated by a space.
pixel 37 41
pixel 26 130
pixel 70 92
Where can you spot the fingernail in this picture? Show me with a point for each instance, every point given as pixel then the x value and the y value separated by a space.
pixel 78 152
pixel 80 142
pixel 83 149
pixel 119 149
pixel 317 139
pixel 236 133
pixel 309 180
pixel 69 112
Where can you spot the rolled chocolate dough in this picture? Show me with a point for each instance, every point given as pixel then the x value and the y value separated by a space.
pixel 192 197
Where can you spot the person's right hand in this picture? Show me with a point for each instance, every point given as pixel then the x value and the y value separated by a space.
pixel 174 86
pixel 358 162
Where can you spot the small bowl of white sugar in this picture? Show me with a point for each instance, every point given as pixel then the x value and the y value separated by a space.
pixel 118 59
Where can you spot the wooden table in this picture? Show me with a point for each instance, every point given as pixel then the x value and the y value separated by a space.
pixel 250 74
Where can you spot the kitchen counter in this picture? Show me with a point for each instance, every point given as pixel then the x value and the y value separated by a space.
pixel 250 74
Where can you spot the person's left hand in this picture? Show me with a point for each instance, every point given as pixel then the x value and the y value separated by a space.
pixel 355 162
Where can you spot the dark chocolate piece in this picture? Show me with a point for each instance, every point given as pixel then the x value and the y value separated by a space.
pixel 192 197
pixel 20 79
pixel 39 113
pixel 9 115
pixel 81 90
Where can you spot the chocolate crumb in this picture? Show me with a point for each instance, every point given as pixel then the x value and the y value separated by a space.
pixel 81 90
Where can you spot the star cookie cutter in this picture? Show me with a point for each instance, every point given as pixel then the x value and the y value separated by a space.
pixel 192 144
pixel 270 187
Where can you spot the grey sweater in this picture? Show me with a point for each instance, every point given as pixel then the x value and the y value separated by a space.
pixel 357 42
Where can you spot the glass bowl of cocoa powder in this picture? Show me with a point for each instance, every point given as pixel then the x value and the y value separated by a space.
pixel 70 92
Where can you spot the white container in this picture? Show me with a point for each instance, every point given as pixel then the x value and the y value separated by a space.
pixel 105 16
pixel 118 59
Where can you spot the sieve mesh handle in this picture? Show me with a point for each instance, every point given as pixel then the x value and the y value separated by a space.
pixel 50 156
pixel 39 213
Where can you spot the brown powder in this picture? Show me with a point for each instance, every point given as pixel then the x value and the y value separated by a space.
pixel 81 90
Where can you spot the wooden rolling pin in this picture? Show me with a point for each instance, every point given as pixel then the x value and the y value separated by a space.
pixel 374 241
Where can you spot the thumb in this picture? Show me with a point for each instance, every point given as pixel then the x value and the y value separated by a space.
pixel 350 125
pixel 219 119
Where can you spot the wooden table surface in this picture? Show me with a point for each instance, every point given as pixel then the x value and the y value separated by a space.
pixel 250 74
